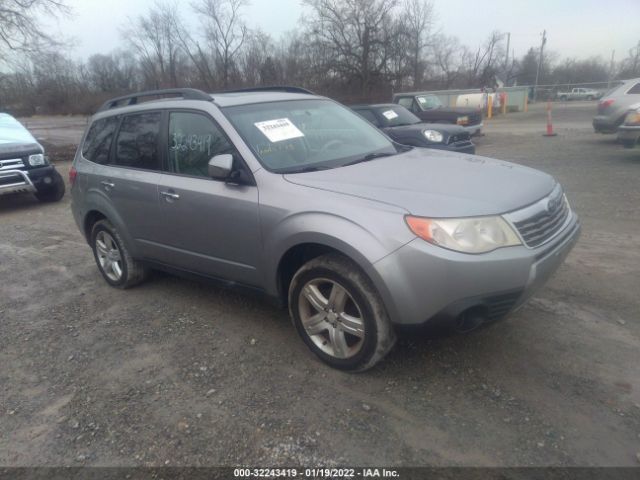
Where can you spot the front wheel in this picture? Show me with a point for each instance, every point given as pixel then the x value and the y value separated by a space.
pixel 52 192
pixel 338 313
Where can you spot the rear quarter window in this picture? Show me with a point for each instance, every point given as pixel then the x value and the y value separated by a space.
pixel 97 144
pixel 635 90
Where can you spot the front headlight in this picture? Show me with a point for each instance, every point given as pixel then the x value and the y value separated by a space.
pixel 433 136
pixel 37 160
pixel 632 118
pixel 467 235
pixel 463 120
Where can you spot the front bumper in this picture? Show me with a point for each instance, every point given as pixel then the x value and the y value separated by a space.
pixel 420 282
pixel 628 135
pixel 26 180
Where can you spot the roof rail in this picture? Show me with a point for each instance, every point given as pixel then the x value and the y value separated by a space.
pixel 132 99
pixel 277 88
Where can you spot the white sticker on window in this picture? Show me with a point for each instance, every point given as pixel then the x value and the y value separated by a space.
pixel 422 99
pixel 390 114
pixel 279 130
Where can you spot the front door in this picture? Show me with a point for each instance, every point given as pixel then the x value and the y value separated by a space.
pixel 210 226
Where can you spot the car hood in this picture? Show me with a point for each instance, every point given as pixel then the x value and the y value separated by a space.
pixel 19 149
pixel 434 183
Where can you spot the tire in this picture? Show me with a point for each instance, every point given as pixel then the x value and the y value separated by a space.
pixel 53 192
pixel 590 97
pixel 357 334
pixel 563 98
pixel 113 259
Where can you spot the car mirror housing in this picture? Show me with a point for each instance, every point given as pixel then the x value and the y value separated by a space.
pixel 220 166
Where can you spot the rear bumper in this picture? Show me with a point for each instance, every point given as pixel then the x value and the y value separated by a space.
pixel 629 136
pixel 606 124
pixel 422 284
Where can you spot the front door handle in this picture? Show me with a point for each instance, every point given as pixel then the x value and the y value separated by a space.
pixel 107 185
pixel 170 196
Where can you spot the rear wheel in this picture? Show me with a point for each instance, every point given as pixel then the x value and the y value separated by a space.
pixel 338 313
pixel 114 261
pixel 52 192
pixel 563 98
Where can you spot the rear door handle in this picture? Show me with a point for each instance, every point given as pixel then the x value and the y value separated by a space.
pixel 169 196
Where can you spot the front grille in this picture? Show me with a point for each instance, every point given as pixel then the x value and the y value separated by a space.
pixel 11 164
pixel 475 118
pixel 10 180
pixel 500 305
pixel 544 224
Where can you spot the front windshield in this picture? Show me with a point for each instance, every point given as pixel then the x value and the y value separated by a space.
pixel 12 131
pixel 427 102
pixel 305 135
pixel 397 116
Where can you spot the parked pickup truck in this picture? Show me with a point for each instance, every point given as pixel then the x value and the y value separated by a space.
pixel 428 108
pixel 579 94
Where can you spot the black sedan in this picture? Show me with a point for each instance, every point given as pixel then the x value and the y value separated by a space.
pixel 407 129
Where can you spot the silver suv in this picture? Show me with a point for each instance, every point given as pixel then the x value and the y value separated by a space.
pixel 297 196
pixel 615 105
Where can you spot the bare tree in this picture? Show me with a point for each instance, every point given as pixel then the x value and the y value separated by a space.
pixel 447 56
pixel 20 27
pixel 417 18
pixel 356 36
pixel 225 31
pixel 154 38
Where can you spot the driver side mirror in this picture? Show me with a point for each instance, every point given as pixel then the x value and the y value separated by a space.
pixel 220 166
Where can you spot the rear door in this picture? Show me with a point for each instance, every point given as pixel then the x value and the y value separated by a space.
pixel 130 180
pixel 211 226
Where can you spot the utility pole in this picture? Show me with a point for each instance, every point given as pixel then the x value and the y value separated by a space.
pixel 613 55
pixel 506 60
pixel 535 87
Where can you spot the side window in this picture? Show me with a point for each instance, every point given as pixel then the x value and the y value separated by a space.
pixel 97 145
pixel 137 142
pixel 194 140
pixel 369 116
pixel 635 90
pixel 406 102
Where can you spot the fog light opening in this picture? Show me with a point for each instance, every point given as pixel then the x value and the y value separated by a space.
pixel 47 180
pixel 471 319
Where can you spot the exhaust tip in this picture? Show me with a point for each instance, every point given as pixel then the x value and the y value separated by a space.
pixel 471 319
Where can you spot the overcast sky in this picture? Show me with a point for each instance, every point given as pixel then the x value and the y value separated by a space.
pixel 575 28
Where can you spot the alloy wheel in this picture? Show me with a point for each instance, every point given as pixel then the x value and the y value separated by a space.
pixel 109 256
pixel 331 318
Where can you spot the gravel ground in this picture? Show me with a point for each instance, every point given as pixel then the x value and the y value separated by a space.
pixel 176 372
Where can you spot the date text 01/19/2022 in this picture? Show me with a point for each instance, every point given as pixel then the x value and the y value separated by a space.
pixel 315 473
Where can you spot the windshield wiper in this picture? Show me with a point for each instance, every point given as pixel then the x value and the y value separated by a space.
pixel 368 157
pixel 308 169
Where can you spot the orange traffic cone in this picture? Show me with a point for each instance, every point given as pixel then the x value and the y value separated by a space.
pixel 550 132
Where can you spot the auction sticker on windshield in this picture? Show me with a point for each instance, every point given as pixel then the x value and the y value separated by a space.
pixel 390 114
pixel 279 130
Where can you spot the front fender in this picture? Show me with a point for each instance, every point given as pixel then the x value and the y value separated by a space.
pixel 353 240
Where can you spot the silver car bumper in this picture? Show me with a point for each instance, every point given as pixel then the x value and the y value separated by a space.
pixel 629 136
pixel 421 282
pixel 15 181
